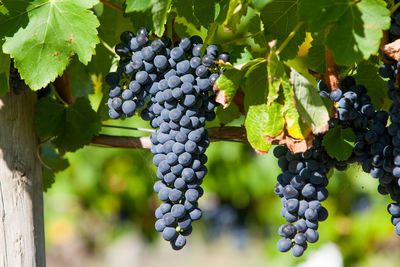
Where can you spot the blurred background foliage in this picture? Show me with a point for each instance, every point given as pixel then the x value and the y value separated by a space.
pixel 107 193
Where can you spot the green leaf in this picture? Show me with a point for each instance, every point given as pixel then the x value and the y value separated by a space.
pixel 276 72
pixel 357 27
pixel 255 87
pixel 240 55
pixel 228 114
pixel 112 25
pixel 294 125
pixel 280 19
pixel 309 103
pixel 316 54
pixel 185 9
pixel 72 127
pixel 256 123
pixel 228 84
pixel 55 31
pixel 339 142
pixel 137 5
pixel 204 10
pixel 367 74
pixel 276 121
pixel 160 10
pixel 80 79
pixel 259 4
pixel 4 72
pixel 236 10
pixel 54 161
pixel 142 19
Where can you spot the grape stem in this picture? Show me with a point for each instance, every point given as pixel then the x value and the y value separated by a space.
pixel 289 37
pixel 394 8
pixel 113 6
pixel 232 134
pixel 107 46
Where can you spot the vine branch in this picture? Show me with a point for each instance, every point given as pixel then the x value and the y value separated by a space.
pixel 235 134
pixel 113 6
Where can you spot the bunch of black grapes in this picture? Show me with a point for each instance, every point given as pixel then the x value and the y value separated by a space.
pixel 302 187
pixel 177 85
pixel 377 147
pixel 374 149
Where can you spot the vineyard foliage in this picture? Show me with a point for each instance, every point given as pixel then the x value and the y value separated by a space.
pixel 273 44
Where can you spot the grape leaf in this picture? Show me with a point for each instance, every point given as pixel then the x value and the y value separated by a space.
pixel 280 19
pixel 316 54
pixel 255 86
pixel 204 11
pixel 294 125
pixel 367 74
pixel 4 72
pixel 276 121
pixel 137 5
pixel 227 115
pixel 141 19
pixel 309 103
pixel 52 160
pixel 339 142
pixel 259 4
pixel 72 127
pixel 56 30
pixel 240 55
pixel 256 123
pixel 13 16
pixel 112 25
pixel 357 27
pixel 185 9
pixel 159 9
pixel 80 79
pixel 228 84
pixel 236 10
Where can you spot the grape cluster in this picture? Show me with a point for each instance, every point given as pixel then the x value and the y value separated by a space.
pixel 302 187
pixel 17 85
pixel 177 84
pixel 377 147
pixel 390 70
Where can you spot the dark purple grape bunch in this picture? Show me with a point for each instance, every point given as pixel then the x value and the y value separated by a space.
pixel 302 188
pixel 17 84
pixel 389 70
pixel 181 102
pixel 177 84
pixel 377 147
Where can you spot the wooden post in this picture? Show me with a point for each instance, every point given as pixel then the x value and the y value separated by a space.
pixel 21 194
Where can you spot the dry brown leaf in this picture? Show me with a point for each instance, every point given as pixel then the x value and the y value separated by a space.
pixel 221 98
pixel 295 145
pixel 393 49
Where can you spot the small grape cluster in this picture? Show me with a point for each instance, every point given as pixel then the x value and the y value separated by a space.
pixel 302 187
pixel 390 71
pixel 177 84
pixel 377 147
pixel 17 85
